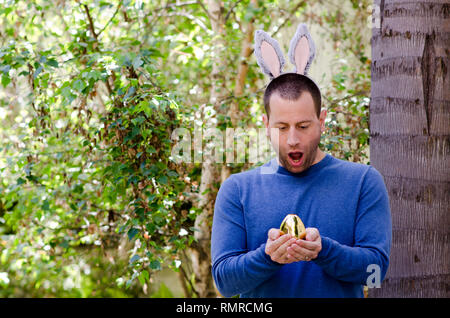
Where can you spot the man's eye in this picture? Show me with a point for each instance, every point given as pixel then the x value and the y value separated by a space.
pixel 304 127
pixel 282 128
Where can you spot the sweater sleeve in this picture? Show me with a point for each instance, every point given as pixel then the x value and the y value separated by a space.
pixel 235 269
pixel 372 237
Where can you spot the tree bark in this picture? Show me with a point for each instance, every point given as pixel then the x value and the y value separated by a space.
pixel 201 254
pixel 409 145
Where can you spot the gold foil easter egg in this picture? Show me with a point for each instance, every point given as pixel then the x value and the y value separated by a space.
pixel 293 225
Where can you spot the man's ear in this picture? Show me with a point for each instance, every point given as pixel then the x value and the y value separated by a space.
pixel 265 119
pixel 322 117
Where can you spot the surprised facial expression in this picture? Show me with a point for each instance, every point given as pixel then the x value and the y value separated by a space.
pixel 298 129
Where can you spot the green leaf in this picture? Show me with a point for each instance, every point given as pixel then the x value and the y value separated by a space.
pixel 143 277
pixel 5 80
pixel 130 92
pixel 155 265
pixel 7 11
pixel 64 244
pixel 151 197
pixel 138 120
pixel 137 62
pixel 132 233
pixel 52 62
pixel 46 205
pixel 135 258
pixel 78 85
pixel 163 180
pixel 145 274
pixel 37 72
pixel 172 173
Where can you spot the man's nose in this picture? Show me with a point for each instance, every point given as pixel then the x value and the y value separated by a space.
pixel 293 138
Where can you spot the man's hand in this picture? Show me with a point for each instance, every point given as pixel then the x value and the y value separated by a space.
pixel 307 249
pixel 285 249
pixel 277 245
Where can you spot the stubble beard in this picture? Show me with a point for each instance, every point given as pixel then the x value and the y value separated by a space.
pixel 309 157
pixel 308 161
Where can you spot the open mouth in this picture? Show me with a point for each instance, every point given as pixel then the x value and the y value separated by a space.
pixel 296 157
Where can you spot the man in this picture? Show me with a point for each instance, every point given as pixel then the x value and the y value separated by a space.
pixel 343 205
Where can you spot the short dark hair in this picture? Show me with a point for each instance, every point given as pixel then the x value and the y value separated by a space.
pixel 291 86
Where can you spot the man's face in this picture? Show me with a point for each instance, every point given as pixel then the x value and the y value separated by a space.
pixel 298 130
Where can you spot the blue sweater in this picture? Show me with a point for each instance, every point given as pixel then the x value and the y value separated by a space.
pixel 346 202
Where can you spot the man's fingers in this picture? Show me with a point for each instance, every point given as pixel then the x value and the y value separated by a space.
pixel 306 244
pixel 280 252
pixel 273 245
pixel 284 248
pixel 312 234
pixel 274 234
pixel 300 253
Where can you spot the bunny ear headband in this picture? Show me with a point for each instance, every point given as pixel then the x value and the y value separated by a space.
pixel 270 57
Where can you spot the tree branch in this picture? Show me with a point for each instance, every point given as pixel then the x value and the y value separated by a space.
pixel 92 29
pixel 186 279
pixel 289 17
pixel 177 4
pixel 113 16
pixel 204 8
pixel 231 10
pixel 190 17
pixel 91 23
pixel 335 101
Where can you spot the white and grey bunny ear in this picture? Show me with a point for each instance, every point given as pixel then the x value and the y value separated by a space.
pixel 302 50
pixel 268 54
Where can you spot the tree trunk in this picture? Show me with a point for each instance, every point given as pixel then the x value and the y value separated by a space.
pixel 201 254
pixel 410 124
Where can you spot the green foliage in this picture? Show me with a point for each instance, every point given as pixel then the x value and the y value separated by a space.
pixel 89 188
pixel 91 202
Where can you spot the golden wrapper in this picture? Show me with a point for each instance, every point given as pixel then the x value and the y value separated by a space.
pixel 292 224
